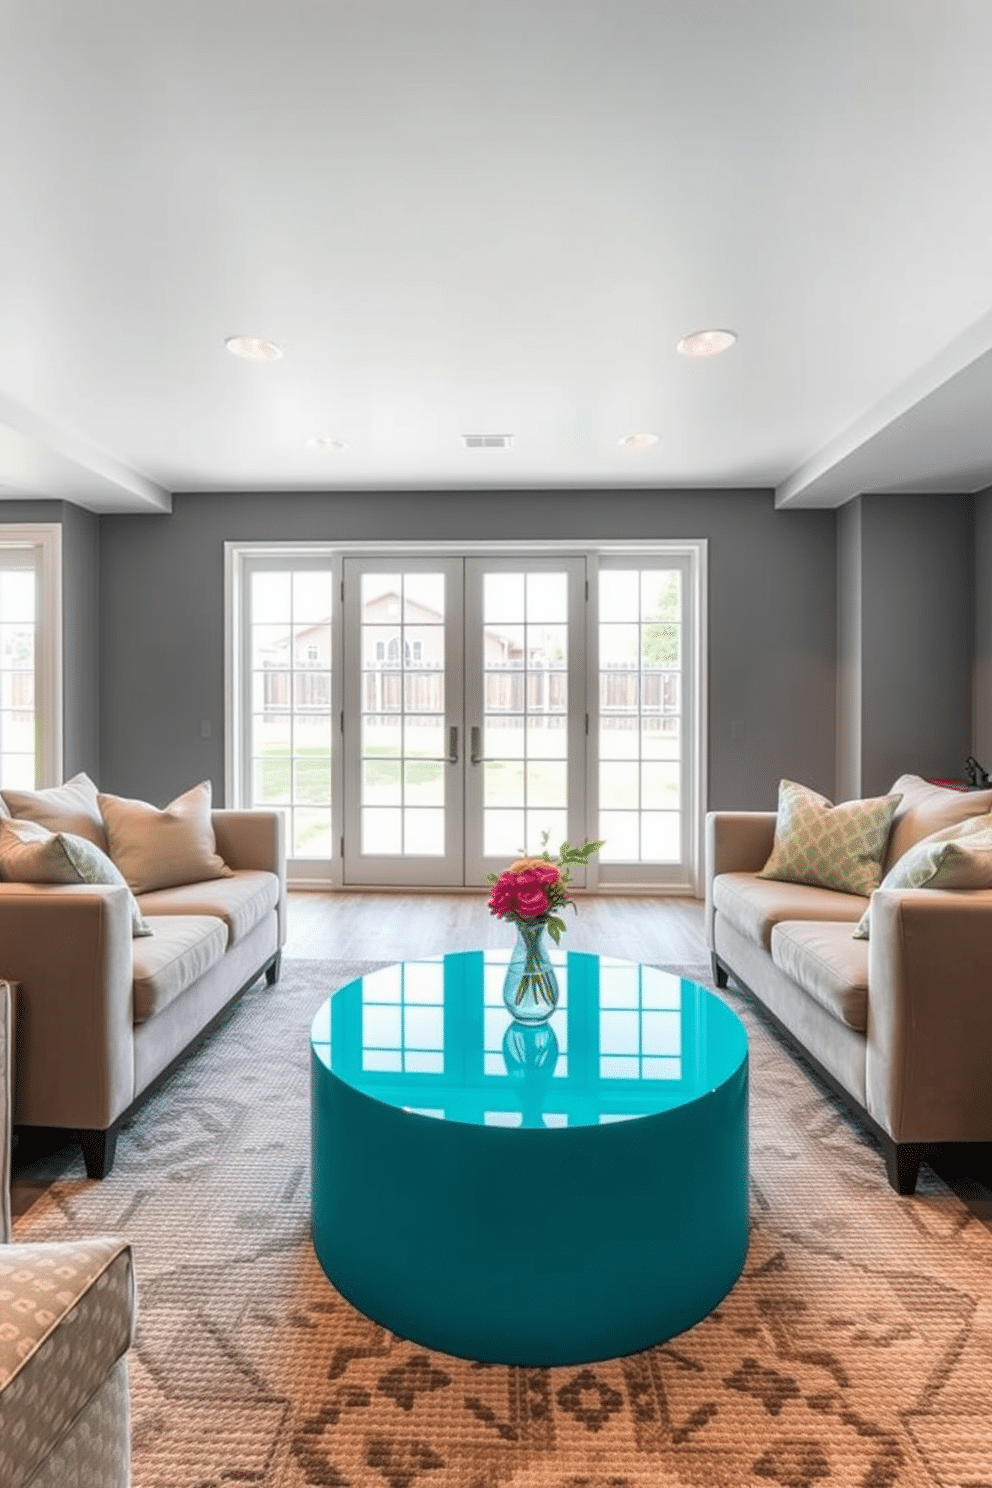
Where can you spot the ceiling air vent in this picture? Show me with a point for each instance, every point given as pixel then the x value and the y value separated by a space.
pixel 487 441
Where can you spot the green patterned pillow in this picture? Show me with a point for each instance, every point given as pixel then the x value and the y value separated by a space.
pixel 956 857
pixel 831 847
pixel 31 854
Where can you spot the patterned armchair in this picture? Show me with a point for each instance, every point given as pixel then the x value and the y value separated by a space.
pixel 66 1323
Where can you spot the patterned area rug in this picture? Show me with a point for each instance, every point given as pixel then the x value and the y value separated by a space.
pixel 855 1350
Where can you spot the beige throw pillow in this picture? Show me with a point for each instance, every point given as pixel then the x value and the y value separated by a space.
pixel 30 854
pixel 158 849
pixel 959 857
pixel 926 808
pixel 831 847
pixel 71 807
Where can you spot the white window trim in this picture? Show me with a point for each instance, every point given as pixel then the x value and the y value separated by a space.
pixel 695 549
pixel 47 539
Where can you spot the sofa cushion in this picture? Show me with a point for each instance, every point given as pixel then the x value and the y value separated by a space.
pixel 69 1316
pixel 156 849
pixel 958 857
pixel 29 853
pixel 829 965
pixel 241 901
pixel 753 905
pixel 72 807
pixel 926 808
pixel 181 949
pixel 834 847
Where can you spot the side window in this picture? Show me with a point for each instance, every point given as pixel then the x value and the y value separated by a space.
pixel 30 649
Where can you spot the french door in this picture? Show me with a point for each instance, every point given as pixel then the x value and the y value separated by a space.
pixel 464 714
pixel 422 715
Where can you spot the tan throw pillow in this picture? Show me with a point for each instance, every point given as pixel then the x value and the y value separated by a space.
pixel 831 847
pixel 926 808
pixel 959 857
pixel 159 849
pixel 30 854
pixel 71 807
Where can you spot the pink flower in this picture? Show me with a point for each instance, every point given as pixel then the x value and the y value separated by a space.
pixel 502 896
pixel 531 901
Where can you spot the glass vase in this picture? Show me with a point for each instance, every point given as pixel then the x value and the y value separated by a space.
pixel 530 990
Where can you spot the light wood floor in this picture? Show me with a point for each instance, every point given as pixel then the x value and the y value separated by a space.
pixel 368 926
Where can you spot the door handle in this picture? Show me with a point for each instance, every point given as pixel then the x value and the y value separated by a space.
pixel 453 745
pixel 476 741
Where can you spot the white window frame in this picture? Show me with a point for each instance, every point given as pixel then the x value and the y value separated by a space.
pixel 695 550
pixel 46 541
pixel 690 557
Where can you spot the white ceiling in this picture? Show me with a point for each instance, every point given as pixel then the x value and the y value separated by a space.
pixel 465 217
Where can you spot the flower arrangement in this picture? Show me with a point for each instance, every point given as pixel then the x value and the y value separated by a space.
pixel 532 890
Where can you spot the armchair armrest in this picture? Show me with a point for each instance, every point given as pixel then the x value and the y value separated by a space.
pixel 736 842
pixel 929 1058
pixel 254 839
pixel 67 1313
pixel 69 949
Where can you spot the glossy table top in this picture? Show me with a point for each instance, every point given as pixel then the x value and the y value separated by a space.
pixel 433 1037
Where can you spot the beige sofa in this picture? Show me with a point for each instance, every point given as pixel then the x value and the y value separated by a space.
pixel 899 1025
pixel 103 1017
pixel 66 1323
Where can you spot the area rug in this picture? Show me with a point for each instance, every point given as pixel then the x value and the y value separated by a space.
pixel 856 1349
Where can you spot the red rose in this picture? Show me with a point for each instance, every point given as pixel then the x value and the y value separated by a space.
pixel 502 896
pixel 531 901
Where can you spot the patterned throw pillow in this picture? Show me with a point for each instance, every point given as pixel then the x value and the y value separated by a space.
pixel 30 854
pixel 831 847
pixel 958 857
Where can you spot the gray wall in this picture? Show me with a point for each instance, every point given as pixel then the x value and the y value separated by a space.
pixel 982 679
pixel 81 641
pixel 849 718
pixel 917 623
pixel 772 617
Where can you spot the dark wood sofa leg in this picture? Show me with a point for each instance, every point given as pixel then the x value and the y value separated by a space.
pixel 720 977
pixel 99 1151
pixel 272 970
pixel 902 1162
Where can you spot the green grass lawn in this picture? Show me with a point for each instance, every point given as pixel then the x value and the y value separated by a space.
pixel 273 772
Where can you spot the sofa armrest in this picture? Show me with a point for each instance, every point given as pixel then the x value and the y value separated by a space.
pixel 736 842
pixel 928 1069
pixel 255 839
pixel 69 949
pixel 6 1104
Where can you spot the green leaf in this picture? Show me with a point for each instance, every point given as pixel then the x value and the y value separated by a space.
pixel 584 853
pixel 556 928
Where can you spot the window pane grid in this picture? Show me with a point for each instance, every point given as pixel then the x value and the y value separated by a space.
pixel 640 715
pixel 18 645
pixel 525 722
pixel 403 714
pixel 290 750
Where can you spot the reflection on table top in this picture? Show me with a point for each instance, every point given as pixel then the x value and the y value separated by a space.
pixel 434 1037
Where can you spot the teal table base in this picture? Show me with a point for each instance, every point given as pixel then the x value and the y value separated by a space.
pixel 541 1247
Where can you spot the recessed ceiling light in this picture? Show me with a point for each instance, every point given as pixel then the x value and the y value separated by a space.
pixel 253 348
pixel 487 441
pixel 706 343
pixel 638 441
pixel 326 442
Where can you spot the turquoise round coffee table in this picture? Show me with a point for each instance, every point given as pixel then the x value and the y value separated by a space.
pixel 535 1196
